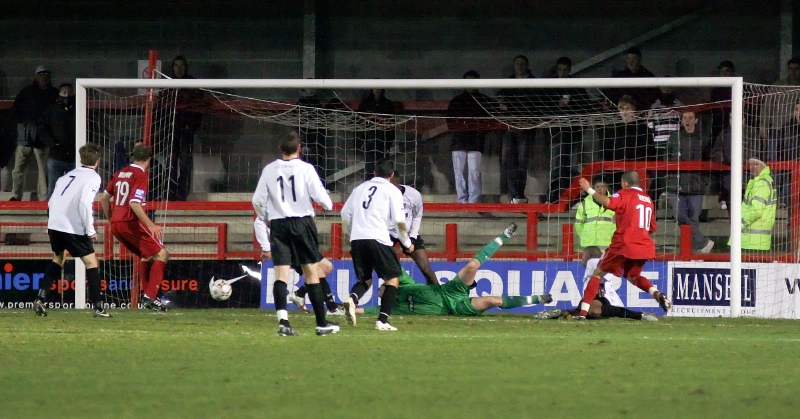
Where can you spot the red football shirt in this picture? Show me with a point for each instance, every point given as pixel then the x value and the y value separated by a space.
pixel 128 185
pixel 636 219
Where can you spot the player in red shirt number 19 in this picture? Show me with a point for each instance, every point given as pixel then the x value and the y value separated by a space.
pixel 631 246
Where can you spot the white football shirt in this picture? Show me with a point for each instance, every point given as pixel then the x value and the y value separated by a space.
pixel 259 223
pixel 262 234
pixel 70 206
pixel 287 187
pixel 607 284
pixel 372 209
pixel 412 209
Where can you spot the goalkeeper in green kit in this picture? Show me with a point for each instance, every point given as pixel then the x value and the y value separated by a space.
pixel 452 298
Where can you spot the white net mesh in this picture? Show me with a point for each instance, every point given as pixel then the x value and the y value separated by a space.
pixel 117 121
pixel 535 144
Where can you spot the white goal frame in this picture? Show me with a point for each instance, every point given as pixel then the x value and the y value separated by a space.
pixel 734 83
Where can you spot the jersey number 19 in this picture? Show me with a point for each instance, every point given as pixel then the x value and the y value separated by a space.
pixel 123 190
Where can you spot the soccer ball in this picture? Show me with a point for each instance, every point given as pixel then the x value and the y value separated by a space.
pixel 220 289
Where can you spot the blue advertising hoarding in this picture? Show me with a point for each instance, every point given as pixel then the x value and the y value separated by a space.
pixel 564 280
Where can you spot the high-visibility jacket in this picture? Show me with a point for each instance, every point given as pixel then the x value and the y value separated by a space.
pixel 758 212
pixel 594 224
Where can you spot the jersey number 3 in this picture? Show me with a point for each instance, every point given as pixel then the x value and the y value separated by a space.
pixel 366 203
pixel 645 215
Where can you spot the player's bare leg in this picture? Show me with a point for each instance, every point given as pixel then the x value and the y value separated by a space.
pixel 420 258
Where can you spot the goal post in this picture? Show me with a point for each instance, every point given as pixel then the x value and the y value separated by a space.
pixel 735 84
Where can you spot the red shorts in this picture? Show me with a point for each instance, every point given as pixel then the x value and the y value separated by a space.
pixel 615 263
pixel 136 238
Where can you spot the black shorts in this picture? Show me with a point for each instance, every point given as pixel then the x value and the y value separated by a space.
pixel 294 241
pixel 77 245
pixel 418 243
pixel 369 255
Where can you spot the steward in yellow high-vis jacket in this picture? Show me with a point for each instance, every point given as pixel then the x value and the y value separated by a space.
pixel 595 224
pixel 759 204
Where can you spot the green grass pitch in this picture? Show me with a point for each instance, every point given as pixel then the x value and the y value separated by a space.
pixel 231 364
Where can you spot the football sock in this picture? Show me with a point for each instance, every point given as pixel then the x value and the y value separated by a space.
pixel 156 276
pixel 513 302
pixel 318 302
pixel 93 277
pixel 301 291
pixel 144 275
pixel 328 294
pixel 388 300
pixel 621 312
pixel 643 284
pixel 51 273
pixel 588 294
pixel 279 295
pixel 359 289
pixel 488 250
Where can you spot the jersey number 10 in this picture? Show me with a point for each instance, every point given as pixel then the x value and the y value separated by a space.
pixel 645 215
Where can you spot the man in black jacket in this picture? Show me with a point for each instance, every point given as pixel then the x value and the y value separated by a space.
pixel 687 187
pixel 57 131
pixel 28 107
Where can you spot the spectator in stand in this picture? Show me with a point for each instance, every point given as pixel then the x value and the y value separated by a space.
pixel 778 107
pixel 29 105
pixel 57 130
pixel 787 149
pixel 594 223
pixel 758 208
pixel 643 96
pixel 517 143
pixel 8 144
pixel 469 131
pixel 187 122
pixel 720 152
pixel 314 144
pixel 628 140
pixel 688 187
pixel 721 96
pixel 376 143
pixel 565 141
pixel 664 119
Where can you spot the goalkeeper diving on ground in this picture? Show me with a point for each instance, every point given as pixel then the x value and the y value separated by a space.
pixel 452 298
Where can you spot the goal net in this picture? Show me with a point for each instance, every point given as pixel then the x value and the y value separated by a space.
pixel 117 120
pixel 537 137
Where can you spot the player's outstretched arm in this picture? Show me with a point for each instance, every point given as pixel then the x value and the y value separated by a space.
pixel 85 207
pixel 402 233
pixel 598 197
pixel 105 202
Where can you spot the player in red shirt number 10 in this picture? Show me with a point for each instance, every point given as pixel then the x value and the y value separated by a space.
pixel 631 246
